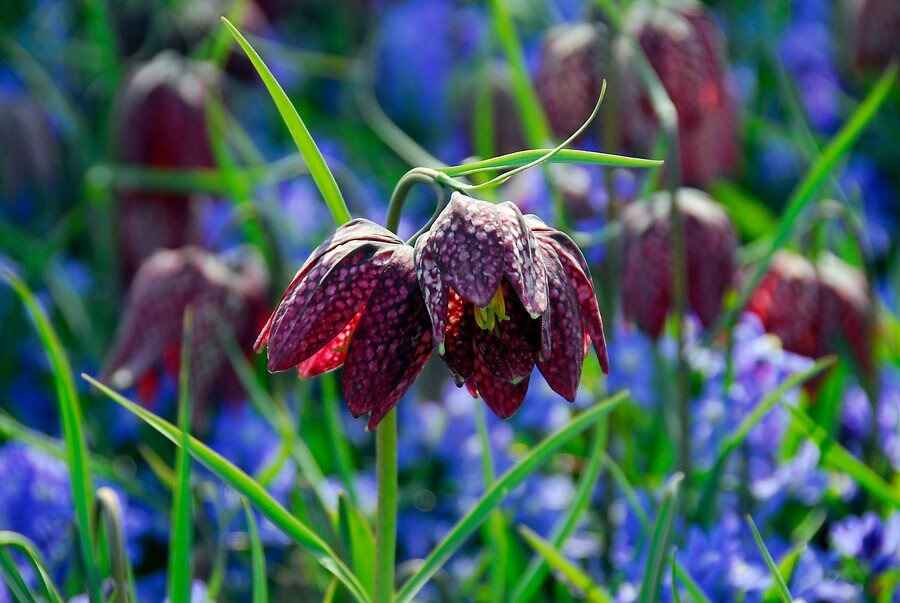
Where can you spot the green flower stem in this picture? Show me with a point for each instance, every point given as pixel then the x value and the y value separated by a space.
pixel 386 519
pixel 502 162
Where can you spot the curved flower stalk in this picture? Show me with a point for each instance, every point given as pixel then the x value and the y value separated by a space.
pixel 354 303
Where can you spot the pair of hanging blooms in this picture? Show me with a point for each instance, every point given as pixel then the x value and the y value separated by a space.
pixel 496 292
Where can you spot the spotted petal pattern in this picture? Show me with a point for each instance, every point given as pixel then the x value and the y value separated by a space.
pixel 391 342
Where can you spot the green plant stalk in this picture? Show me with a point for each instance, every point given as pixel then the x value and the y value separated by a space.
pixel 331 400
pixel 257 556
pixel 498 491
pixel 386 518
pixel 108 509
pixel 773 567
pixel 77 457
pixel 12 540
pixel 659 545
pixel 179 587
pixel 295 529
pixel 592 591
pixel 496 528
pixel 519 158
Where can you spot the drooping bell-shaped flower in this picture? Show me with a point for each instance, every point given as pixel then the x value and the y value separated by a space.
pixel 710 249
pixel 816 309
pixel 505 292
pixel 877 33
pixel 354 303
pixel 161 124
pixel 220 289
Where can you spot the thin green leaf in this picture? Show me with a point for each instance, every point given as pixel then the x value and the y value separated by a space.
pixel 257 556
pixel 734 440
pixel 498 491
pixel 534 574
pixel 255 493
pixel 495 531
pixel 837 458
pixel 182 524
pixel 77 457
pixel 788 562
pixel 676 593
pixel 659 545
pixel 108 513
pixel 805 192
pixel 12 540
pixel 331 591
pixel 520 158
pixel 13 579
pixel 358 540
pixel 575 575
pixel 696 593
pixel 336 435
pixel 318 169
pixel 773 569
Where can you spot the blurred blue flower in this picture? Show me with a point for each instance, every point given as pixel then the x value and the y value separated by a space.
pixel 815 580
pixel 880 205
pixel 869 540
pixel 634 364
pixel 856 417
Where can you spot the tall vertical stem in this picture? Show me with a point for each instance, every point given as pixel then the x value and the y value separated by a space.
pixel 386 520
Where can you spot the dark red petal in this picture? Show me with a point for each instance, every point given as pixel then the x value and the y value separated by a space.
pixel 391 342
pixel 590 309
pixel 502 397
pixel 510 350
pixel 434 289
pixel 646 276
pixel 358 231
pixel 333 354
pixel 562 368
pixel 524 270
pixel 458 353
pixel 322 303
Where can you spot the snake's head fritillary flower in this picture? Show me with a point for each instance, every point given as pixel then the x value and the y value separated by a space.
pixel 569 76
pixel 161 124
pixel 505 292
pixel 685 48
pixel 815 309
pixel 877 33
pixel 229 289
pixel 710 247
pixel 354 303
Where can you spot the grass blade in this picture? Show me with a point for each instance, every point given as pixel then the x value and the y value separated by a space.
pixel 737 437
pixel 302 534
pixel 837 458
pixel 359 541
pixel 257 556
pixel 108 512
pixel 495 531
pixel 659 545
pixel 498 491
pixel 676 594
pixel 837 148
pixel 520 158
pixel 318 169
pixel 77 457
pixel 537 568
pixel 342 455
pixel 182 526
pixel 13 579
pixel 12 540
pixel 773 569
pixel 575 575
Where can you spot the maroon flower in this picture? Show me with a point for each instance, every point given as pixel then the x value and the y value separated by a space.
pixel 161 124
pixel 710 247
pixel 228 289
pixel 356 303
pixel 877 33
pixel 685 49
pixel 505 292
pixel 568 79
pixel 816 309
pixel 508 135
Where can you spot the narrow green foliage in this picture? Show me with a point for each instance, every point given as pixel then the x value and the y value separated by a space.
pixel 734 440
pixel 77 457
pixel 358 540
pixel 301 533
pixel 498 491
pixel 659 545
pixel 17 542
pixel 520 158
pixel 806 191
pixel 534 574
pixel 182 526
pixel 837 458
pixel 496 526
pixel 108 513
pixel 676 592
pixel 318 169
pixel 257 556
pixel 342 455
pixel 592 591
pixel 13 579
pixel 386 513
pixel 773 568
